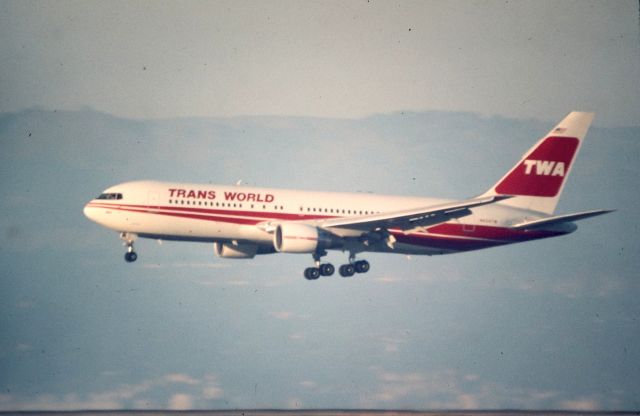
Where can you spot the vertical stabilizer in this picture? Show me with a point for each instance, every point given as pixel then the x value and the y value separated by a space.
pixel 537 180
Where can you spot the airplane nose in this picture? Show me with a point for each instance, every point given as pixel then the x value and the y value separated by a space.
pixel 89 211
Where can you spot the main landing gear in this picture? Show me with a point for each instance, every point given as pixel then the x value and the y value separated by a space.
pixel 313 273
pixel 348 270
pixel 130 256
pixel 327 269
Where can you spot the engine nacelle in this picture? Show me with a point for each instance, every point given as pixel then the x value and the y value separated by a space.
pixel 302 238
pixel 235 251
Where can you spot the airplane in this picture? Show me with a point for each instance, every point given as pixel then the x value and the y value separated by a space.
pixel 242 222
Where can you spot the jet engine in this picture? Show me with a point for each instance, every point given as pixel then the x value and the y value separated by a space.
pixel 235 251
pixel 302 238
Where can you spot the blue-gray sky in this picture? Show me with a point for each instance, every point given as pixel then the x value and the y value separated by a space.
pixel 337 59
pixel 94 93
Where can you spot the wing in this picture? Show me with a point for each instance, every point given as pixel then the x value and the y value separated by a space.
pixel 409 220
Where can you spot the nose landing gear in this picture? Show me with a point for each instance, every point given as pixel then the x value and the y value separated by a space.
pixel 130 256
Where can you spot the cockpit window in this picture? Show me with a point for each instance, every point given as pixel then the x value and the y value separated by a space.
pixel 110 196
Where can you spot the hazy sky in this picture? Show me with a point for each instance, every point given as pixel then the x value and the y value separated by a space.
pixel 535 59
pixel 544 324
pixel 547 324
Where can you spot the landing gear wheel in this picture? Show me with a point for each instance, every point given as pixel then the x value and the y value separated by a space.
pixel 347 270
pixel 327 269
pixel 130 256
pixel 362 266
pixel 311 273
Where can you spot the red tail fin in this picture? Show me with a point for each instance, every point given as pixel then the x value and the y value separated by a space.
pixel 542 172
pixel 538 178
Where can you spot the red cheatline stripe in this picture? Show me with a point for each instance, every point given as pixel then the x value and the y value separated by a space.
pixel 293 237
pixel 479 235
pixel 447 243
pixel 489 233
pixel 252 214
pixel 234 220
pixel 211 218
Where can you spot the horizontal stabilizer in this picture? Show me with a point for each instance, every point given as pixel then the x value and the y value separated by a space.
pixel 558 219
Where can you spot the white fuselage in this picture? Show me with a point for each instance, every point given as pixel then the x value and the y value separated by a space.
pixel 242 221
pixel 214 213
